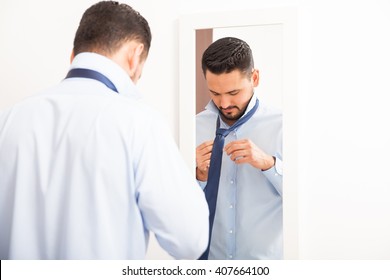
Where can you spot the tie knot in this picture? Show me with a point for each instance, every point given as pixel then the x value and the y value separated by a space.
pixel 223 132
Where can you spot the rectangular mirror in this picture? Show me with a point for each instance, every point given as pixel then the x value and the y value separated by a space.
pixel 272 36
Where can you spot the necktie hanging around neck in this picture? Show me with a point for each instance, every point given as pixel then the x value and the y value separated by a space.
pixel 91 74
pixel 211 189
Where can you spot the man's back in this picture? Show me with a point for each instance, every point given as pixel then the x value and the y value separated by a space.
pixel 86 171
pixel 80 173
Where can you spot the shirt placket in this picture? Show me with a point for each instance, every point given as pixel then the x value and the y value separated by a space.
pixel 231 228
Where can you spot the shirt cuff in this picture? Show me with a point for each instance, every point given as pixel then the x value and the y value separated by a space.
pixel 275 175
pixel 202 184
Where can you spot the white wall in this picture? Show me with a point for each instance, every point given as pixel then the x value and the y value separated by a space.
pixel 344 190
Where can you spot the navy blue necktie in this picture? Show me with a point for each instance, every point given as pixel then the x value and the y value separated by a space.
pixel 91 74
pixel 211 189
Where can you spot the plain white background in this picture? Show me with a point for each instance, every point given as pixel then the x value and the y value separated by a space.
pixel 343 88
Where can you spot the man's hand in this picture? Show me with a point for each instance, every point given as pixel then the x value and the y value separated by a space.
pixel 245 151
pixel 203 155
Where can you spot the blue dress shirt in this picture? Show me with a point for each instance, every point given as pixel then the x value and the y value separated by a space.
pixel 248 220
pixel 87 173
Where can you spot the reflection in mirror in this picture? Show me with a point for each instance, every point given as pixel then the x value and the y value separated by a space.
pixel 266 44
pixel 244 191
pixel 272 37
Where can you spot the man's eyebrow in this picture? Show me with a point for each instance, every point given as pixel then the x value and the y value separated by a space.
pixel 229 92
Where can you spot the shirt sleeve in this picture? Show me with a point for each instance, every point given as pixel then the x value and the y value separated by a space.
pixel 171 203
pixel 275 175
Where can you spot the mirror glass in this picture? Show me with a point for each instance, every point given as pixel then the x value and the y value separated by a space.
pixel 271 35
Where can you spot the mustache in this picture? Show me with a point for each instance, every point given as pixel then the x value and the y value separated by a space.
pixel 228 108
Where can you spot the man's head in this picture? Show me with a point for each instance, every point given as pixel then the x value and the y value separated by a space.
pixel 228 67
pixel 228 54
pixel 117 31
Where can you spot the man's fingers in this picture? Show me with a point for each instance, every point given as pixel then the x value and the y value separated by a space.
pixel 205 147
pixel 206 165
pixel 237 154
pixel 237 145
pixel 206 144
pixel 229 149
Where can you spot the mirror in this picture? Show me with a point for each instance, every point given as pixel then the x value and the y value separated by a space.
pixel 276 29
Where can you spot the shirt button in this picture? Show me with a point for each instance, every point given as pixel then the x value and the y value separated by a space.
pixel 230 231
pixel 231 181
pixel 230 256
pixel 231 206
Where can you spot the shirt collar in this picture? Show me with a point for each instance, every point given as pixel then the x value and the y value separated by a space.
pixel 108 68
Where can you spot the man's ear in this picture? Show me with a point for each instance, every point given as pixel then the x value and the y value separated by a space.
pixel 135 58
pixel 255 77
pixel 72 56
pixel 139 49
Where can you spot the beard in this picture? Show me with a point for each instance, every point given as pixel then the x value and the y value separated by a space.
pixel 232 113
pixel 227 114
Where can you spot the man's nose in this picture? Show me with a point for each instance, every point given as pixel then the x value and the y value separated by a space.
pixel 225 101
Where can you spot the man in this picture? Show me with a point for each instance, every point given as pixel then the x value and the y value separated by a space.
pixel 87 170
pixel 242 180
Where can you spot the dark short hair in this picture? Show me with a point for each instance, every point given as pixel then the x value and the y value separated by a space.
pixel 105 26
pixel 226 55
